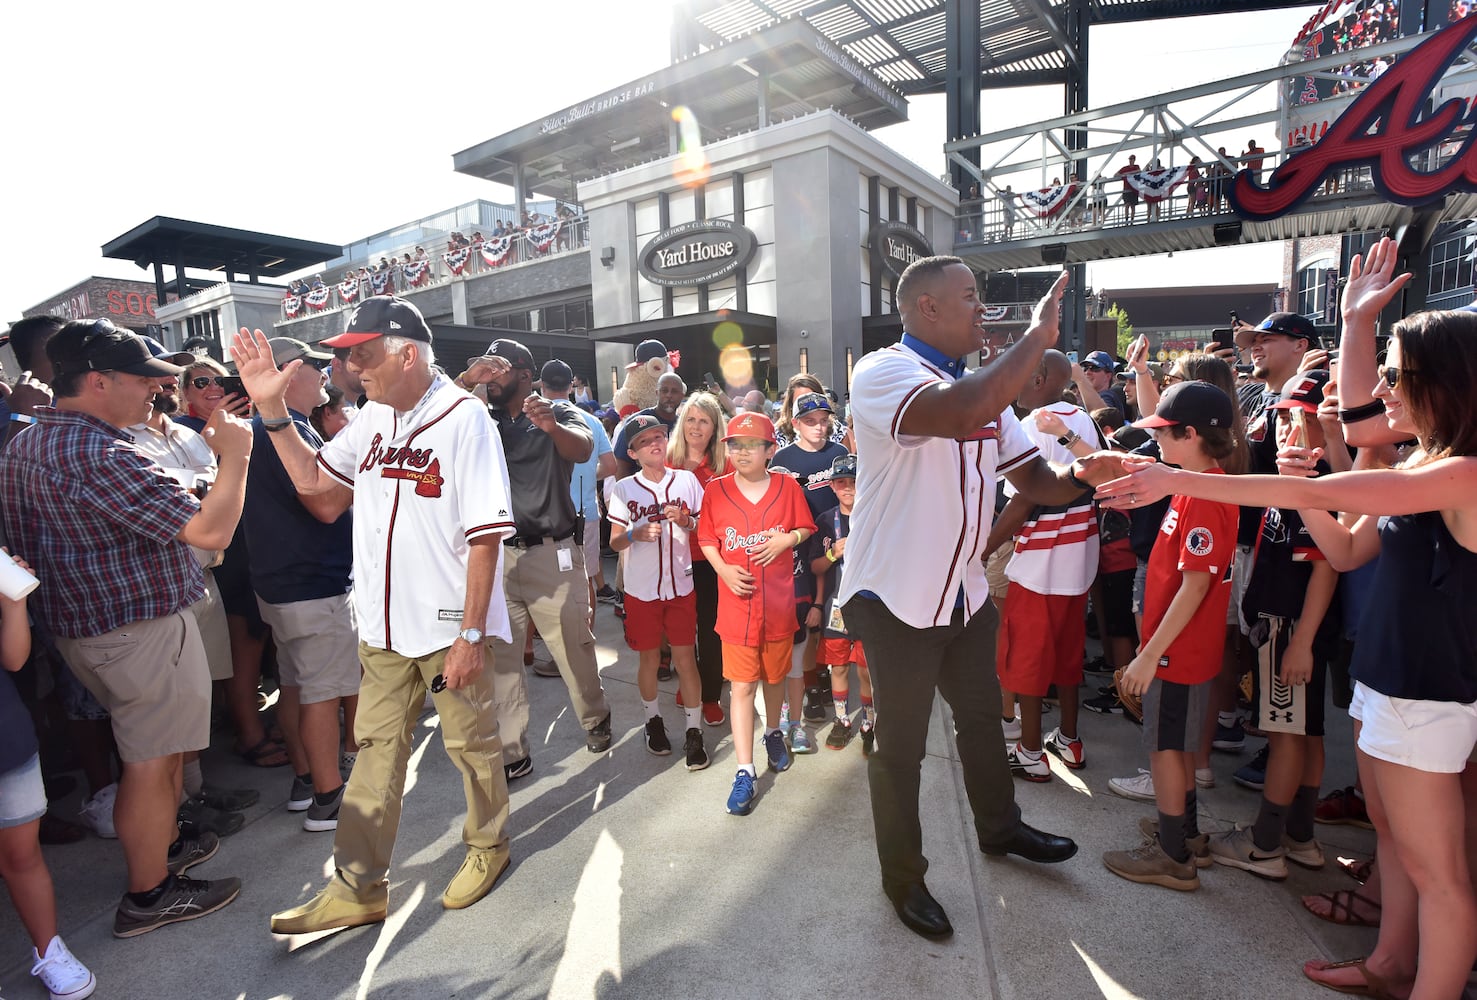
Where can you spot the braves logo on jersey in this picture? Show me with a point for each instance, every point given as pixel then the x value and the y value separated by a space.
pixel 424 468
pixel 732 540
pixel 427 483
pixel 653 512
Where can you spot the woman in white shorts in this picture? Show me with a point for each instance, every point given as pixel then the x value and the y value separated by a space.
pixel 1415 664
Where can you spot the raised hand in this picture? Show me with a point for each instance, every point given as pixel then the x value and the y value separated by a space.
pixel 1047 314
pixel 228 436
pixel 1373 282
pixel 264 382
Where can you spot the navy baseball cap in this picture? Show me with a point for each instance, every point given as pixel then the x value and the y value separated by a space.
pixel 638 424
pixel 556 375
pixel 510 351
pixel 810 402
pixel 844 467
pixel 1191 404
pixel 1100 359
pixel 647 350
pixel 382 316
pixel 1286 323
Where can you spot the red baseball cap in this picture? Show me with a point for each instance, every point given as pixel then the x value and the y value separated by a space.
pixel 750 425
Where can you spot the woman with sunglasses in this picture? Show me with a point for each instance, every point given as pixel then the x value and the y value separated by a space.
pixel 1415 662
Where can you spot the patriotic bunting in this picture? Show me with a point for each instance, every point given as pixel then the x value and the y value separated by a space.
pixel 541 237
pixel 292 305
pixel 1048 201
pixel 379 283
pixel 348 289
pixel 495 249
pixel 1155 185
pixel 457 259
pixel 994 314
pixel 417 272
pixel 318 298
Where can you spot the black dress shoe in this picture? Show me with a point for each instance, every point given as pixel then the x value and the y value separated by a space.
pixel 1033 845
pixel 922 913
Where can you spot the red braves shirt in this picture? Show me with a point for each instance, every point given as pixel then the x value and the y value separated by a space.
pixel 1195 536
pixel 737 528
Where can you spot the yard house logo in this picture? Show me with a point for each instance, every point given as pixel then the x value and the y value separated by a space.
pixel 899 244
pixel 696 253
pixel 1384 128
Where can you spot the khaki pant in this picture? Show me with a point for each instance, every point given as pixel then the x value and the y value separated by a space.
pixel 559 604
pixel 390 699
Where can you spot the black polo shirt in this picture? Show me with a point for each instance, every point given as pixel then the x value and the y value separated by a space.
pixel 538 477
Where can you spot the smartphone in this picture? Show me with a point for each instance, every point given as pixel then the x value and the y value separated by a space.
pixel 1072 356
pixel 1299 418
pixel 712 379
pixel 232 384
pixel 1235 319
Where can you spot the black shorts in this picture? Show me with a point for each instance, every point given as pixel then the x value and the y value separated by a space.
pixel 1174 715
pixel 1130 196
pixel 1117 593
pixel 1296 709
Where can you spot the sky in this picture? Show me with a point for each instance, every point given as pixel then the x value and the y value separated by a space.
pixel 332 123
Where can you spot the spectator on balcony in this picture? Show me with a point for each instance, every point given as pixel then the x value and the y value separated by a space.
pixel 499 230
pixel 420 254
pixel 1130 194
pixel 1253 158
pixel 1220 173
pixel 1199 193
pixel 318 282
pixel 1007 210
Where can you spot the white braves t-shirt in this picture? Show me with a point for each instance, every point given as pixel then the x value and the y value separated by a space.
pixel 1056 551
pixel 923 504
pixel 659 570
pixel 425 484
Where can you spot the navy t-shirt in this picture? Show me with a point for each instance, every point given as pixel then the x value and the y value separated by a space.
pixel 812 470
pixel 17 733
pixel 293 556
pixel 830 526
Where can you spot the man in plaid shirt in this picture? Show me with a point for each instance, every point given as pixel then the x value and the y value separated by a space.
pixel 109 535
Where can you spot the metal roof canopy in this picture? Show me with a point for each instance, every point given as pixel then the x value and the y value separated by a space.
pixel 905 42
pixel 783 71
pixel 200 245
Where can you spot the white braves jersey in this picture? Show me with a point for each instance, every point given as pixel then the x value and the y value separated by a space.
pixel 923 504
pixel 425 484
pixel 659 570
pixel 1056 551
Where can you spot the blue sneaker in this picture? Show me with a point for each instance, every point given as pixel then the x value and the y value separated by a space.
pixel 779 755
pixel 1229 739
pixel 1254 775
pixel 741 799
pixel 800 741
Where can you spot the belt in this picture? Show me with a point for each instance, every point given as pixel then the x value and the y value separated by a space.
pixel 528 541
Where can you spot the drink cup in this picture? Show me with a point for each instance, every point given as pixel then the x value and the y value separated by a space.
pixel 15 582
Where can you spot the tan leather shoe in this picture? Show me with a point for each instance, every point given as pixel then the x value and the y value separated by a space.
pixel 326 911
pixel 475 878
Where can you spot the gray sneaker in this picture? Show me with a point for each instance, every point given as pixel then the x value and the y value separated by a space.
pixel 193 851
pixel 1149 865
pixel 321 819
pixel 184 899
pixel 1236 849
pixel 301 795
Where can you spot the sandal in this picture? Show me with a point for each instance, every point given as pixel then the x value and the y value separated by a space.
pixel 1341 908
pixel 1359 871
pixel 267 753
pixel 1373 985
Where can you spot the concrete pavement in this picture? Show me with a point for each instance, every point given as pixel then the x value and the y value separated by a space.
pixel 628 879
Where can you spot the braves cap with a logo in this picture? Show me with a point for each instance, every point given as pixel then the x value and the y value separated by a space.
pixel 1191 404
pixel 99 346
pixel 382 316
pixel 750 425
pixel 510 351
pixel 1287 324
pixel 810 402
pixel 844 467
pixel 648 350
pixel 1304 391
pixel 638 424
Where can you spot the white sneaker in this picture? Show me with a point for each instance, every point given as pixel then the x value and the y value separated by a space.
pixel 1024 765
pixel 1308 853
pixel 1204 777
pixel 61 973
pixel 97 812
pixel 1011 730
pixel 1070 751
pixel 1139 787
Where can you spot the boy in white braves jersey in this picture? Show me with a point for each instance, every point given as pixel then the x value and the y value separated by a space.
pixel 651 515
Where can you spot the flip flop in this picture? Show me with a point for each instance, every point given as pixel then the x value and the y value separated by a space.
pixel 1359 871
pixel 1373 985
pixel 1341 908
pixel 267 753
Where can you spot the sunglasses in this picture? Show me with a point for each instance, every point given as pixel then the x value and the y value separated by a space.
pixel 1392 376
pixel 1171 379
pixel 1088 366
pixel 204 381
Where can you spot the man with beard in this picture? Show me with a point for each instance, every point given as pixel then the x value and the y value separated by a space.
pixel 670 391
pixel 186 458
pixel 543 562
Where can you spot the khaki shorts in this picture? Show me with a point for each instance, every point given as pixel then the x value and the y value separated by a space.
pixel 591 544
pixel 210 615
pixel 152 678
pixel 317 646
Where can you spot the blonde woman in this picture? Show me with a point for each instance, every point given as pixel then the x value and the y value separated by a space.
pixel 697 447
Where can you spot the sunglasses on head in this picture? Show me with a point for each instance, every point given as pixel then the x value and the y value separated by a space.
pixel 204 381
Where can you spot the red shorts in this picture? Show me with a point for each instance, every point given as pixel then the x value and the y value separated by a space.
pixel 839 652
pixel 1042 641
pixel 749 664
pixel 648 621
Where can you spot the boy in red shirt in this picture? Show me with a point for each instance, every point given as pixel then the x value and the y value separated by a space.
pixel 1185 598
pixel 751 520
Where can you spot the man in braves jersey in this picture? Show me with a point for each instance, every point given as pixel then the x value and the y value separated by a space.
pixel 432 508
pixel 931 437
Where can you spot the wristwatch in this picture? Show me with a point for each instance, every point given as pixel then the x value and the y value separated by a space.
pixel 472 635
pixel 1068 439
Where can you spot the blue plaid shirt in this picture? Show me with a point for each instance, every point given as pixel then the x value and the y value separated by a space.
pixel 98 522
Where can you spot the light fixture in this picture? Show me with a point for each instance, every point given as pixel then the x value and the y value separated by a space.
pixel 607 256
pixel 1227 232
pixel 848 369
pixel 804 360
pixel 1054 253
pixel 635 140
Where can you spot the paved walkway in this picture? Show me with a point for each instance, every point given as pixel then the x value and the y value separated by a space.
pixel 629 880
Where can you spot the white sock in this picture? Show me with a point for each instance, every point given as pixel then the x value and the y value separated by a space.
pixel 1025 752
pixel 747 767
pixel 194 780
pixel 694 717
pixel 652 711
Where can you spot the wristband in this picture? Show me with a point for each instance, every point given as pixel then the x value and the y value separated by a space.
pixel 799 538
pixel 831 555
pixel 21 418
pixel 1072 478
pixel 1358 413
pixel 279 424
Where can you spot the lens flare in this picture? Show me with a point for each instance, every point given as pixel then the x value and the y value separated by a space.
pixel 691 168
pixel 736 365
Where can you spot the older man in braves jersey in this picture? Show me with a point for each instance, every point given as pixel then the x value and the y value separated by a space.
pixel 931 439
pixel 432 508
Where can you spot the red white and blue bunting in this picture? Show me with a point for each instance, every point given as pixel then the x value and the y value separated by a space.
pixel 292 305
pixel 417 272
pixel 495 249
pixel 541 237
pixel 994 314
pixel 318 298
pixel 457 259
pixel 1048 201
pixel 379 282
pixel 1155 185
pixel 348 289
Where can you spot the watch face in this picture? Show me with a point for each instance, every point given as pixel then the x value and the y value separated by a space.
pixel 472 634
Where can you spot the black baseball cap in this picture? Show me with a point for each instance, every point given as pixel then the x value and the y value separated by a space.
pixel 99 346
pixel 510 351
pixel 382 316
pixel 844 467
pixel 556 375
pixel 1191 404
pixel 1303 391
pixel 637 424
pixel 647 350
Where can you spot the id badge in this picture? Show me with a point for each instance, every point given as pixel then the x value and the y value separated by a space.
pixel 836 623
pixel 566 561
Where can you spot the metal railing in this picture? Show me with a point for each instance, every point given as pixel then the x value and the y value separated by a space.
pixel 524 246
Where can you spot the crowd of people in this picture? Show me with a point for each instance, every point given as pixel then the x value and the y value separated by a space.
pixel 372 531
